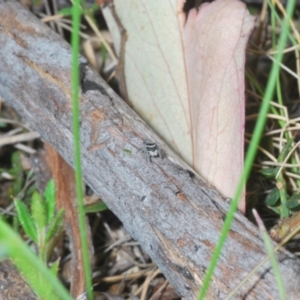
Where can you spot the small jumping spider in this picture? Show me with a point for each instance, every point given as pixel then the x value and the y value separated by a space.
pixel 150 150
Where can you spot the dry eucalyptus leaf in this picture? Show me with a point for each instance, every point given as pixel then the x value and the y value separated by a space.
pixel 215 40
pixel 186 80
pixel 154 68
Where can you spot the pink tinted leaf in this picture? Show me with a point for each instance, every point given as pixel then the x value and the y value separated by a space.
pixel 215 39
pixel 187 81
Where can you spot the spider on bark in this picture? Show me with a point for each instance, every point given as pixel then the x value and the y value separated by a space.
pixel 151 150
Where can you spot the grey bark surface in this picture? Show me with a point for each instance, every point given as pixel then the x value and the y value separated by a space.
pixel 176 217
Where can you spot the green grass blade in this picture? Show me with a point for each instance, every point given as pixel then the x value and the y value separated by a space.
pixel 271 254
pixel 76 133
pixel 252 148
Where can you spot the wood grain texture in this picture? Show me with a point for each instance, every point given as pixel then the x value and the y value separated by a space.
pixel 64 178
pixel 174 215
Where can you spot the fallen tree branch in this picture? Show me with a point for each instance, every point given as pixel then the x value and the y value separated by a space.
pixel 176 217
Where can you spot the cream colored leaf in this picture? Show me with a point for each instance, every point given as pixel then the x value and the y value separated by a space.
pixel 187 81
pixel 155 69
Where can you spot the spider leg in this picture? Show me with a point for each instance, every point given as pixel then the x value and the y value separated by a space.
pixel 161 154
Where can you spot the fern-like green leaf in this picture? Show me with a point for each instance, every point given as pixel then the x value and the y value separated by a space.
pixel 26 220
pixel 38 211
pixel 54 268
pixel 55 226
pixel 50 200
